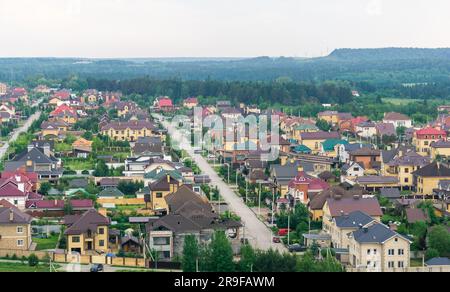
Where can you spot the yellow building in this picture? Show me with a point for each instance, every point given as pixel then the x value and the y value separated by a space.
pixel 428 177
pixel 129 131
pixel 403 165
pixel 53 129
pixel 15 228
pixel 3 88
pixel 376 248
pixel 331 117
pixel 440 149
pixel 423 139
pixel 159 190
pixel 87 233
pixel 314 140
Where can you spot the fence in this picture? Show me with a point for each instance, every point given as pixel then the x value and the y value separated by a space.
pixel 92 259
pixel 435 269
pixel 122 202
pixel 22 253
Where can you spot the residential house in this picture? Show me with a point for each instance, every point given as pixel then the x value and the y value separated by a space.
pixel 342 226
pixel 304 186
pixel 331 117
pixel 330 147
pixel 343 150
pixel 18 189
pixel 111 192
pixel 366 129
pixel 386 130
pixel 190 102
pixel 164 104
pixel 3 89
pixel 146 146
pixel 159 190
pixel 87 233
pixel 368 157
pixel 129 131
pixel 440 149
pixel 317 203
pixel 282 175
pixel 189 214
pixel 390 193
pixel 15 228
pixel 423 139
pixel 38 160
pixel 377 248
pixel 427 178
pixel 375 182
pixel 64 113
pixel 398 120
pixel 82 148
pixel 352 170
pixel 337 207
pixel 305 127
pixel 54 129
pixel 314 140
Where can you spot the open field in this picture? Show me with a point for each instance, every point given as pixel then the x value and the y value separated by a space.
pixel 46 243
pixel 22 268
pixel 406 101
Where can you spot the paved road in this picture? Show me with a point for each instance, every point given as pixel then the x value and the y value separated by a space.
pixel 259 235
pixel 20 130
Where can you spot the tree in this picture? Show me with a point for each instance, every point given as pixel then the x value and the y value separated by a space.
pixel 101 169
pixel 306 263
pixel 190 254
pixel 68 209
pixel 419 230
pixel 439 239
pixel 222 253
pixel 247 261
pixel 323 125
pixel 45 188
pixel 431 254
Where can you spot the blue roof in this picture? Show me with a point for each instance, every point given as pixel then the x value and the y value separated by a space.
pixel 354 220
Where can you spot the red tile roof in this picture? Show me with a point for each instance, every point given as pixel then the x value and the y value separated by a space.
pixel 63 109
pixel 431 131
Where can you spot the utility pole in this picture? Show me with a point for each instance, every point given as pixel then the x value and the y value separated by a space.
pixel 289 229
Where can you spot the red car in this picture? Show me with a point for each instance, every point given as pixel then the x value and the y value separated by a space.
pixel 283 232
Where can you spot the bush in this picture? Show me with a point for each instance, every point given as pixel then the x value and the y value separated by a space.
pixel 431 254
pixel 85 172
pixel 33 260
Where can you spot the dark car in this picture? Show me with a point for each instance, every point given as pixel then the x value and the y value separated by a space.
pixel 276 240
pixel 296 248
pixel 97 268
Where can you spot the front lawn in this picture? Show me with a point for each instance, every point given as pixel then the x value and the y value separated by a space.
pixel 79 164
pixel 46 243
pixel 22 268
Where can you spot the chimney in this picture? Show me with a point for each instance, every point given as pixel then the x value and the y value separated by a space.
pixel 46 149
pixel 11 215
pixel 168 178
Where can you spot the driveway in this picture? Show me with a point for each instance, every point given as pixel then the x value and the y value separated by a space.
pixel 259 235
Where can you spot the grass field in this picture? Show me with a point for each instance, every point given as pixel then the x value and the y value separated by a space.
pixel 46 243
pixel 406 101
pixel 79 164
pixel 22 268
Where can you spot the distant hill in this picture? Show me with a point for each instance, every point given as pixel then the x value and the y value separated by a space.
pixel 390 54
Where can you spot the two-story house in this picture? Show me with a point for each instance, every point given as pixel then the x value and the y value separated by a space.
pixel 15 228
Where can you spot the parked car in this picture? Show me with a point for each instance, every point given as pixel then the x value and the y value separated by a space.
pixel 297 248
pixel 283 232
pixel 97 268
pixel 276 240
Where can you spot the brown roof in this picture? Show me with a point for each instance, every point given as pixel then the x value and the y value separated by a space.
pixel 318 201
pixel 416 215
pixel 435 169
pixel 338 207
pixel 132 125
pixel 320 135
pixel 177 201
pixel 365 152
pixel 8 213
pixel 163 184
pixel 396 117
pixel 89 221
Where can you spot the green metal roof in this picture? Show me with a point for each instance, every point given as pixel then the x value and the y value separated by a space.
pixel 329 145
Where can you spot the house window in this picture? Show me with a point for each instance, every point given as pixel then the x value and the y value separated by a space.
pixel 16 202
pixel 401 252
pixel 76 239
pixel 375 251
pixel 101 231
pixel 368 252
pixel 159 195
pixel 401 264
pixel 20 229
pixel 406 170
pixel 391 252
pixel 406 180
pixel 101 243
pixel 391 265
pixel 20 242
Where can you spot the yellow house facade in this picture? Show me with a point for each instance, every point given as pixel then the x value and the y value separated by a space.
pixel 423 139
pixel 440 149
pixel 160 190
pixel 428 177
pixel 128 131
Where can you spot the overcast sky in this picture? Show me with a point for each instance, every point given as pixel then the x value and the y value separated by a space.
pixel 216 28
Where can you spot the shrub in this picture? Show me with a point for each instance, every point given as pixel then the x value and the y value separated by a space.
pixel 33 260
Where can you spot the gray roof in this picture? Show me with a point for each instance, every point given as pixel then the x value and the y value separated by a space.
pixel 34 155
pixel 377 233
pixel 376 179
pixel 390 193
pixel 78 183
pixel 17 216
pixel 285 171
pixel 355 146
pixel 111 192
pixel 353 220
pixel 438 262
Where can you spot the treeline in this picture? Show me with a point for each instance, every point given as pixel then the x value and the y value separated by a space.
pixel 287 93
